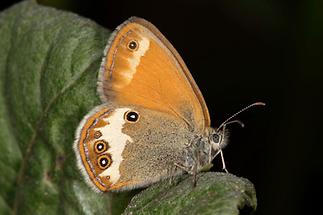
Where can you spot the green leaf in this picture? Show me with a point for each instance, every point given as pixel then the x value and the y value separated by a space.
pixel 49 60
pixel 215 193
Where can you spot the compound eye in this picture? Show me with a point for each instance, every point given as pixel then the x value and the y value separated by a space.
pixel 216 138
pixel 133 45
pixel 131 116
pixel 104 161
pixel 100 146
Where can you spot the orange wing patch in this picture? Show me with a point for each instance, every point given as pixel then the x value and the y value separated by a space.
pixel 151 75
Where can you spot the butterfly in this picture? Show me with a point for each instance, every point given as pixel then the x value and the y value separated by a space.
pixel 153 123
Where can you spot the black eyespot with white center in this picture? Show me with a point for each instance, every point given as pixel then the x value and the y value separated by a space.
pixel 133 45
pixel 100 146
pixel 131 116
pixel 104 161
pixel 97 134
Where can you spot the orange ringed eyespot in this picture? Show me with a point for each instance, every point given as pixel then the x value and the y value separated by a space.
pixel 100 146
pixel 104 161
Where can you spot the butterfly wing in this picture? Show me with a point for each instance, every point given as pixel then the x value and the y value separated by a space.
pixel 141 67
pixel 116 154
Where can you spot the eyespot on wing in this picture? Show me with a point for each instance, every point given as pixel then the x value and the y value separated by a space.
pixel 85 148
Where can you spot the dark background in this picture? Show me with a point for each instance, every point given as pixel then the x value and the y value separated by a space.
pixel 240 52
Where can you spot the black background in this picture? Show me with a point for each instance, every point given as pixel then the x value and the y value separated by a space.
pixel 240 52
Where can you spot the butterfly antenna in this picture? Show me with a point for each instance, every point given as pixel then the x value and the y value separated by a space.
pixel 237 113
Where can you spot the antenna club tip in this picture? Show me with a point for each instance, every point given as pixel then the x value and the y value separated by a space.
pixel 260 103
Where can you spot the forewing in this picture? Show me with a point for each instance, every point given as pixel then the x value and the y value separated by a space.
pixel 153 75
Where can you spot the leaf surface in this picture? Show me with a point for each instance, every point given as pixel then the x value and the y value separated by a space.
pixel 215 193
pixel 48 71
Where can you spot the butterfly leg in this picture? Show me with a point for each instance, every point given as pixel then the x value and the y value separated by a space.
pixel 222 159
pixel 190 171
pixel 223 163
pixel 210 155
pixel 195 167
pixel 184 168
pixel 173 175
pixel 195 175
pixel 221 152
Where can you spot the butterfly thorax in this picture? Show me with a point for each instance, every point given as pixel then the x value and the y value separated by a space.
pixel 201 151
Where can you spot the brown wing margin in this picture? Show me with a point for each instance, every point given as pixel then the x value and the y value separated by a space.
pixel 179 59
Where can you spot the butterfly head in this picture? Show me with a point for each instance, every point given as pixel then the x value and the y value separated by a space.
pixel 218 139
